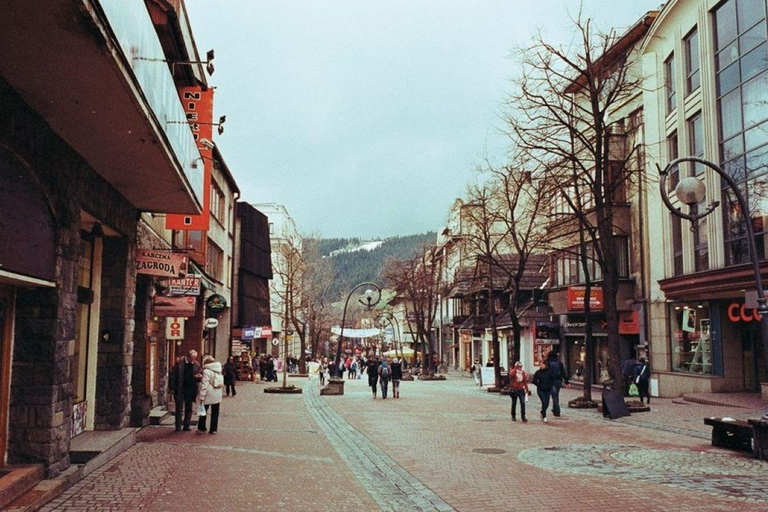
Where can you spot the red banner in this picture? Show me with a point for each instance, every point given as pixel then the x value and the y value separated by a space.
pixel 198 104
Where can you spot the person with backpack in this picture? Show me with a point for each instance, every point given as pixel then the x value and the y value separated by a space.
pixel 210 395
pixel 559 376
pixel 373 374
pixel 643 379
pixel 385 374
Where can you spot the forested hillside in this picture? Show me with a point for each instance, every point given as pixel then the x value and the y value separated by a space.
pixel 356 267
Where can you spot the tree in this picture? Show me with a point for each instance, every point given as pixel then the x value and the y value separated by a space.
pixel 419 282
pixel 561 117
pixel 316 296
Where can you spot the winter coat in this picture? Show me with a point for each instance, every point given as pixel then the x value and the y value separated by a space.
pixel 209 394
pixel 230 373
pixel 543 379
pixel 642 372
pixel 518 380
pixel 397 371
pixel 558 371
pixel 176 382
pixel 381 371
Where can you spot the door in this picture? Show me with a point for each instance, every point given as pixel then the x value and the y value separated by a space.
pixel 752 357
pixel 6 344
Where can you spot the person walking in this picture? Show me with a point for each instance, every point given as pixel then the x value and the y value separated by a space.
pixel 373 374
pixel 559 377
pixel 643 379
pixel 544 382
pixel 518 387
pixel 185 375
pixel 211 388
pixel 397 376
pixel 230 376
pixel 385 373
pixel 475 371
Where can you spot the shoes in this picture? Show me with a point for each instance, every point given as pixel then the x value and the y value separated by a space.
pixel 211 432
pixel 525 420
pixel 545 420
pixel 556 414
pixel 200 431
pixel 514 419
pixel 187 429
pixel 178 429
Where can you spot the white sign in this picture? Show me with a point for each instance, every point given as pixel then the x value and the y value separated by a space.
pixel 487 377
pixel 276 341
pixel 174 328
pixel 211 323
pixel 184 286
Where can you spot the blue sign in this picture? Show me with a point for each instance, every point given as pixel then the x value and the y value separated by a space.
pixel 249 332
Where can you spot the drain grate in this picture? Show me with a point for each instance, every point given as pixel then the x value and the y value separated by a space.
pixel 489 451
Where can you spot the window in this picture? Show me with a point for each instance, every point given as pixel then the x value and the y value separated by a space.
pixel 696 142
pixel 741 39
pixel 677 245
pixel 218 203
pixel 673 154
pixel 691 337
pixel 215 262
pixel 701 243
pixel 669 80
pixel 693 78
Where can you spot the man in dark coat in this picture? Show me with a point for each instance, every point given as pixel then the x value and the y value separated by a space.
pixel 373 374
pixel 185 375
pixel 559 377
pixel 230 376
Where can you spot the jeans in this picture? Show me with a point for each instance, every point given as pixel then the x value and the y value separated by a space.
pixel 213 411
pixel 544 395
pixel 477 378
pixel 396 388
pixel 518 394
pixel 556 397
pixel 384 385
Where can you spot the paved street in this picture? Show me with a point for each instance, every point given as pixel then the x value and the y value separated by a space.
pixel 442 446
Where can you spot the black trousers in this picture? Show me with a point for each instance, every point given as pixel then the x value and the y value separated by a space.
pixel 184 405
pixel 213 411
pixel 231 387
pixel 642 390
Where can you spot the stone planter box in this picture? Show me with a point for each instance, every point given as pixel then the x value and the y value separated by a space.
pixel 335 387
pixel 764 388
pixel 579 403
pixel 760 437
pixel 288 390
pixel 431 377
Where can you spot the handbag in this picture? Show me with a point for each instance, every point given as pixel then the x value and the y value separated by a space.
pixel 200 410
pixel 633 390
pixel 218 380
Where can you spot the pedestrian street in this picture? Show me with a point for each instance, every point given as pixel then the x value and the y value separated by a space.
pixel 444 445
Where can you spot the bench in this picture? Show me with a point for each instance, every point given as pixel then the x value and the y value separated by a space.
pixel 734 434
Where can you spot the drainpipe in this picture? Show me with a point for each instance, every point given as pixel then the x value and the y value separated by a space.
pixel 232 274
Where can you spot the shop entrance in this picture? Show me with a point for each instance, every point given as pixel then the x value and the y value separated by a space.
pixel 6 343
pixel 752 357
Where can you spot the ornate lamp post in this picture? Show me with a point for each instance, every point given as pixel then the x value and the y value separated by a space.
pixel 368 303
pixel 389 318
pixel 692 191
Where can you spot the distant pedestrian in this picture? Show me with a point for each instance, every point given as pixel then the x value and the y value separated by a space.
pixel 185 375
pixel 518 387
pixel 643 379
pixel 353 369
pixel 628 374
pixel 210 394
pixel 397 376
pixel 544 381
pixel 385 374
pixel 230 375
pixel 373 374
pixel 256 365
pixel 559 377
pixel 475 371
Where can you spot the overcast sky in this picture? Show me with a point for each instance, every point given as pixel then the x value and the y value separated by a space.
pixel 366 118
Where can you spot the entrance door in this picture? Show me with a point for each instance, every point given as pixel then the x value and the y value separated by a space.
pixel 6 342
pixel 752 357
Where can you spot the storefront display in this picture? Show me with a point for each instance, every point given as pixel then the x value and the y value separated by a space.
pixel 691 337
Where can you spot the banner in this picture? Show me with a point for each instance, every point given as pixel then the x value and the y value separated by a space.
pixel 198 105
pixel 164 263
pixel 174 306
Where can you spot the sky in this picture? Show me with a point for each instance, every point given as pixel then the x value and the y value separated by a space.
pixel 368 118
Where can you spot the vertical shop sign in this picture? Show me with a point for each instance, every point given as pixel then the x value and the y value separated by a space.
pixel 198 105
pixel 174 328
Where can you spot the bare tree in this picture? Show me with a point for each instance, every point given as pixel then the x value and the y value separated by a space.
pixel 316 297
pixel 418 281
pixel 561 117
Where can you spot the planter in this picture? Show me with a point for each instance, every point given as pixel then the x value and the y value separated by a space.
pixel 335 387
pixel 304 375
pixel 431 377
pixel 764 389
pixel 760 436
pixel 288 390
pixel 580 403
pixel 633 406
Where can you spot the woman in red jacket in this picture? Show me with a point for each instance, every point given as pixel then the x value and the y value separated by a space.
pixel 518 385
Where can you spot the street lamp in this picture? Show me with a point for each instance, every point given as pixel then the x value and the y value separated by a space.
pixel 692 191
pixel 389 317
pixel 368 303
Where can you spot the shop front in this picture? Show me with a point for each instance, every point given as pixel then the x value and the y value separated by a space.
pixel 575 347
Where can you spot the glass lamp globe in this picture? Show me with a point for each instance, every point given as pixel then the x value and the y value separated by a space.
pixel 691 191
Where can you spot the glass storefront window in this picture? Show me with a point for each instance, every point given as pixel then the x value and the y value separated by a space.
pixel 691 337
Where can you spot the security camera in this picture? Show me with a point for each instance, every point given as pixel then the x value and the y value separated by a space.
pixel 207 143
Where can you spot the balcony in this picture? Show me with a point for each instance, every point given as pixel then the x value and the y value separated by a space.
pixel 94 71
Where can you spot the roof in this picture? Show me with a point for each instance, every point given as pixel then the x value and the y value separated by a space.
pixel 473 280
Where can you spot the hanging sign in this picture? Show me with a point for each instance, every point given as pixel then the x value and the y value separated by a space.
pixel 184 286
pixel 174 328
pixel 164 263
pixel 576 298
pixel 216 303
pixel 174 306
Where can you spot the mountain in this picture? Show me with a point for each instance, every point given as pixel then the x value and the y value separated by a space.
pixel 356 261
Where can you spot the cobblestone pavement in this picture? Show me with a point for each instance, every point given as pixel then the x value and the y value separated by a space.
pixel 442 446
